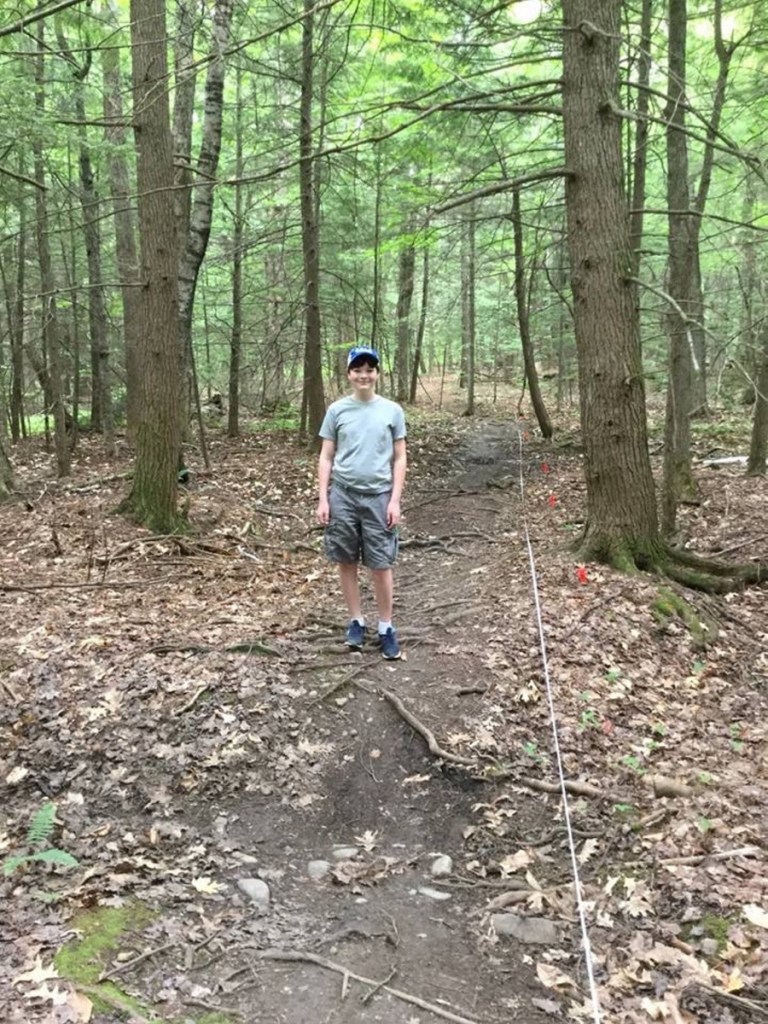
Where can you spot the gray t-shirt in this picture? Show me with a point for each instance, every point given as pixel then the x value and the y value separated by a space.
pixel 364 434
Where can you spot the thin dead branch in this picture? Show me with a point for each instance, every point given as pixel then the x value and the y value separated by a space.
pixel 424 732
pixel 299 956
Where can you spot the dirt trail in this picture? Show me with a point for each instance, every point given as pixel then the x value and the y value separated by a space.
pixel 431 936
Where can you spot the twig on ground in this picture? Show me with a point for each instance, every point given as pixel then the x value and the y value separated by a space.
pixel 193 699
pixel 439 496
pixel 736 547
pixel 377 988
pixel 465 690
pixel 128 964
pixel 297 956
pixel 422 730
pixel 575 787
pixel 106 585
pixel 346 678
pixel 473 609
pixel 730 999
pixel 740 851
pixel 9 691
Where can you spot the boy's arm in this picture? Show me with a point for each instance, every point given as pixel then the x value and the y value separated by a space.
pixel 324 467
pixel 399 465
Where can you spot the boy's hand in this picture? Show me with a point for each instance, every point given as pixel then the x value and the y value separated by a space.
pixel 323 512
pixel 393 513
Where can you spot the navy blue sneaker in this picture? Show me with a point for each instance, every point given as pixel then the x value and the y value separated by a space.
pixel 390 648
pixel 355 636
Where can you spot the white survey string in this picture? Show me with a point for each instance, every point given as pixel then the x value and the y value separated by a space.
pixel 578 888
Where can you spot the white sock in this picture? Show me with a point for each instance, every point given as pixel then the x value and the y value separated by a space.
pixel 384 626
pixel 359 619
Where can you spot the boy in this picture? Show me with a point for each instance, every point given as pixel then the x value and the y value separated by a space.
pixel 361 473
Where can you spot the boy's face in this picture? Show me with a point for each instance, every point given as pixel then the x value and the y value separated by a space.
pixel 363 376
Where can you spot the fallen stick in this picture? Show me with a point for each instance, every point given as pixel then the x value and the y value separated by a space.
pixel 574 787
pixel 730 999
pixel 740 851
pixel 346 678
pixel 297 956
pixel 424 732
pixel 9 691
pixel 372 992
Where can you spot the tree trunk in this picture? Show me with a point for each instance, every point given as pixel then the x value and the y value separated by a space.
pixel 125 239
pixel 6 472
pixel 621 525
pixel 471 326
pixel 101 394
pixel 418 356
pixel 50 332
pixel 236 335
pixel 529 361
pixel 152 501
pixel 679 484
pixel 640 152
pixel 313 393
pixel 700 399
pixel 758 448
pixel 407 266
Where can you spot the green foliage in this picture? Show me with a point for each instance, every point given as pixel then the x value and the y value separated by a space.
pixel 39 832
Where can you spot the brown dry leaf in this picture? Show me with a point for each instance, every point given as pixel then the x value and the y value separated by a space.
pixel 80 1007
pixel 553 977
pixel 515 861
pixel 587 850
pixel 36 974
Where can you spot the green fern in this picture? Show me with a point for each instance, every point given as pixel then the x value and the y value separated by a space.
pixel 41 826
pixel 38 834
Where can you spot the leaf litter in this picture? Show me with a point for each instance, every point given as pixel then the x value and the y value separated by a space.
pixel 131 703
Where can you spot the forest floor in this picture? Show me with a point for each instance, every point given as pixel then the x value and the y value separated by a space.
pixel 270 829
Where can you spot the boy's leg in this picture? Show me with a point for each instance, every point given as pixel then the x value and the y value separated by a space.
pixel 350 588
pixel 383 589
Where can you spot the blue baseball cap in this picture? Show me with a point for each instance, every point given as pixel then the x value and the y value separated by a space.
pixel 362 353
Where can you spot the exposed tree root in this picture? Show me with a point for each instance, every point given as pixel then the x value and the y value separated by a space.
pixel 656 557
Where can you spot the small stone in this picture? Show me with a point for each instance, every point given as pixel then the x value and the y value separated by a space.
pixel 538 930
pixel 441 866
pixel 710 947
pixel 433 894
pixel 345 853
pixel 317 869
pixel 256 890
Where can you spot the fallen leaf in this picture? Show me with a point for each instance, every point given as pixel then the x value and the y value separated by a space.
pixel 514 861
pixel 756 915
pixel 587 850
pixel 206 885
pixel 553 977
pixel 37 974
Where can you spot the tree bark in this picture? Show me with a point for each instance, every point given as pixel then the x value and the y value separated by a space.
pixel 418 353
pixel 313 392
pixel 526 342
pixel 51 329
pixel 640 152
pixel 758 448
pixel 679 484
pixel 236 335
pixel 152 501
pixel 407 267
pixel 125 237
pixel 621 524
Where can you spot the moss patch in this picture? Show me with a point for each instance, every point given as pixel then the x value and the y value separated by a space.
pixel 102 932
pixel 85 959
pixel 669 605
